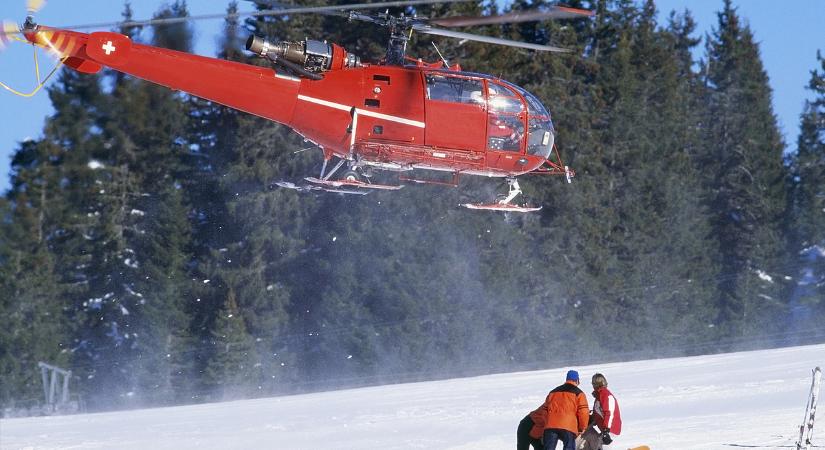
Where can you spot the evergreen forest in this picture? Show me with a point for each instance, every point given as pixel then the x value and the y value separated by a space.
pixel 145 247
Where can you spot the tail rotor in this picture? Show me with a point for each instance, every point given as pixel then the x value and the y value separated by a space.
pixel 11 31
pixel 31 33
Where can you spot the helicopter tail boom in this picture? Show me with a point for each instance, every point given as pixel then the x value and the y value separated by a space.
pixel 256 90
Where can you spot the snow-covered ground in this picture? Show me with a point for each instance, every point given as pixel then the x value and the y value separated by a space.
pixel 708 402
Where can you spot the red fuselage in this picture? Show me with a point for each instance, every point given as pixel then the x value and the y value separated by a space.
pixel 390 117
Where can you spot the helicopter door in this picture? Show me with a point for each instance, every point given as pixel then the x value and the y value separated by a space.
pixel 505 127
pixel 455 109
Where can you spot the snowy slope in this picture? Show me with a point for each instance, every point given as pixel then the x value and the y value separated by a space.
pixel 750 398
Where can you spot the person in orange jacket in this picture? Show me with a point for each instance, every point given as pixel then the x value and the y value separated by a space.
pixel 606 420
pixel 531 429
pixel 567 414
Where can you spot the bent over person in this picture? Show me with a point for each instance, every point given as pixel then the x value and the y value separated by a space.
pixel 567 414
pixel 606 419
pixel 530 430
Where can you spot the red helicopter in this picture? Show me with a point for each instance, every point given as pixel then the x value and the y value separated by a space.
pixel 399 114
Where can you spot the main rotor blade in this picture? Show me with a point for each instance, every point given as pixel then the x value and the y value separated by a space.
pixel 487 39
pixel 551 12
pixel 277 6
pixel 267 13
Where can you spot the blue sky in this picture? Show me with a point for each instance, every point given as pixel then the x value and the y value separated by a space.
pixel 789 38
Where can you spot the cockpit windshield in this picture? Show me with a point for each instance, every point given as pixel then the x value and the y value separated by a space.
pixel 540 134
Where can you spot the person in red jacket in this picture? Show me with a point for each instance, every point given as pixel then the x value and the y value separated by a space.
pixel 567 414
pixel 606 419
pixel 531 429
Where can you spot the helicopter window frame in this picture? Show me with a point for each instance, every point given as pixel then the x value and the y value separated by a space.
pixel 449 88
pixel 506 113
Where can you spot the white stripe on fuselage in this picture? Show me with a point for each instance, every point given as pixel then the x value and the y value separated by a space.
pixel 363 112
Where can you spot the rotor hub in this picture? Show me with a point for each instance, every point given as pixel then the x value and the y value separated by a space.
pixel 29 24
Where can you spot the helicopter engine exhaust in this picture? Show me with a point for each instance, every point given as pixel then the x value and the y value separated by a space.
pixel 308 58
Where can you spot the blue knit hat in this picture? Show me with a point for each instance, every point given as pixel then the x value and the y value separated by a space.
pixel 572 375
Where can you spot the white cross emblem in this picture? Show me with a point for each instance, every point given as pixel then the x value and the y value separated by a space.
pixel 108 48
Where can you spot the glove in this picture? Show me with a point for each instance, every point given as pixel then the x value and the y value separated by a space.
pixel 606 439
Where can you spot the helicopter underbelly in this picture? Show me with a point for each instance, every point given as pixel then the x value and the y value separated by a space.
pixel 394 167
pixel 392 156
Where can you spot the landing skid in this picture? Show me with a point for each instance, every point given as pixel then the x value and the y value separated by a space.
pixel 310 188
pixel 506 207
pixel 352 183
pixel 504 204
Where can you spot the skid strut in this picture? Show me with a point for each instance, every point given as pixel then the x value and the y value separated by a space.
pixel 514 191
pixel 504 204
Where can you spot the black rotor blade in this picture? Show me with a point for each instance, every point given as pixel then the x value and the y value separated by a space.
pixel 267 13
pixel 533 15
pixel 277 6
pixel 487 39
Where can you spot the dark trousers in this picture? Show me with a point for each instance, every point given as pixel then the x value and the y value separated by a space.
pixel 523 438
pixel 553 435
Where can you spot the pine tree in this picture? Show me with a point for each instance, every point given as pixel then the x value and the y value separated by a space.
pixel 43 270
pixel 743 160
pixel 246 232
pixel 807 227
pixel 213 136
pixel 35 327
pixel 633 227
pixel 658 233
pixel 80 240
pixel 159 229
pixel 129 268
pixel 232 365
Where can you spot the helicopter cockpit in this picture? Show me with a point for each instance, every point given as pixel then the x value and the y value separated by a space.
pixel 506 105
pixel 516 120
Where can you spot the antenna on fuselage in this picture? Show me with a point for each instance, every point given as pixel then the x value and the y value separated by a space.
pixel 443 59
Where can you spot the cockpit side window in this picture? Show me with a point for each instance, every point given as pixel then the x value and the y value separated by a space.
pixel 505 121
pixel 504 100
pixel 455 89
